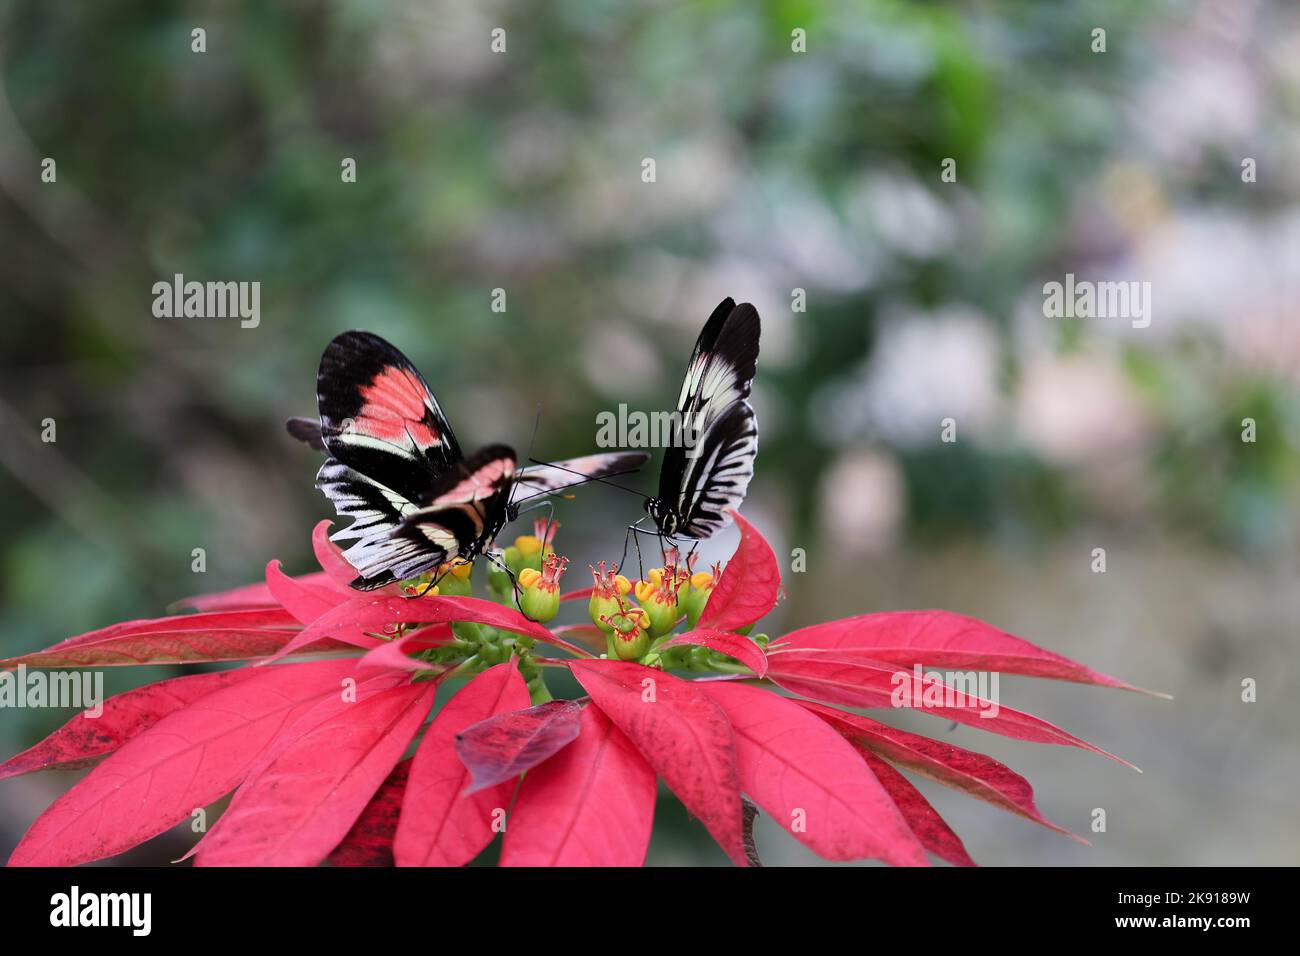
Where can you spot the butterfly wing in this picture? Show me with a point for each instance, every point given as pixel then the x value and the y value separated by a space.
pixel 306 430
pixel 556 476
pixel 710 459
pixel 716 472
pixel 378 417
pixel 400 539
pixel 721 369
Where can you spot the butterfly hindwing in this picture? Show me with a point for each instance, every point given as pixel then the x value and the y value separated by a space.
pixel 399 539
pixel 717 471
pixel 376 511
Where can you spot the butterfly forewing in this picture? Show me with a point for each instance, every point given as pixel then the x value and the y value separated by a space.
pixel 379 417
pixel 551 477
pixel 721 369
pixel 717 472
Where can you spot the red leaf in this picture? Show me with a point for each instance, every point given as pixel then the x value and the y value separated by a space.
pixel 843 677
pixel 943 639
pixel 592 804
pixel 972 773
pixel 338 573
pixel 440 826
pixel 748 586
pixel 184 762
pixel 810 780
pixel 370 841
pixel 395 653
pixel 582 594
pixel 930 828
pixel 445 609
pixel 267 618
pixel 182 638
pixel 350 621
pixel 270 619
pixel 83 740
pixel 500 748
pixel 306 602
pixel 725 642
pixel 589 634
pixel 682 733
pixel 305 801
pixel 250 596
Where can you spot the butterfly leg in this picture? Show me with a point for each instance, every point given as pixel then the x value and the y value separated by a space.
pixel 434 581
pixel 630 530
pixel 514 581
pixel 636 533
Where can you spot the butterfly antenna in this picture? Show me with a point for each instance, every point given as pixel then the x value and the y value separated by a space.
pixel 537 423
pixel 576 484
pixel 588 478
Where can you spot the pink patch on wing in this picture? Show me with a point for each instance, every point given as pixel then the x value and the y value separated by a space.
pixel 394 405
pixel 481 483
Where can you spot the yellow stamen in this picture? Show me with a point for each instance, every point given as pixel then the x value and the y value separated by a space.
pixel 702 580
pixel 528 544
pixel 459 567
pixel 529 576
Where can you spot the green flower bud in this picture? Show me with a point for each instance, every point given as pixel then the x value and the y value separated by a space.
pixel 628 636
pixel 607 596
pixel 540 590
pixel 697 597
pixel 659 600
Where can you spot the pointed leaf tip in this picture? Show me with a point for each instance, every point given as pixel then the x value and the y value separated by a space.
pixel 749 585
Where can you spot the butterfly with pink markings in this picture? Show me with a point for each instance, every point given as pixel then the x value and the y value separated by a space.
pixel 395 468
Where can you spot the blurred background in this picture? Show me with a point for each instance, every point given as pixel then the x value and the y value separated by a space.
pixel 775 171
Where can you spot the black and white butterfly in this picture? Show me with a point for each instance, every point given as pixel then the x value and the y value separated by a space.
pixel 396 469
pixel 714 436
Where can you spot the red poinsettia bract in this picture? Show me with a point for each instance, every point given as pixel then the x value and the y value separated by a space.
pixel 316 750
